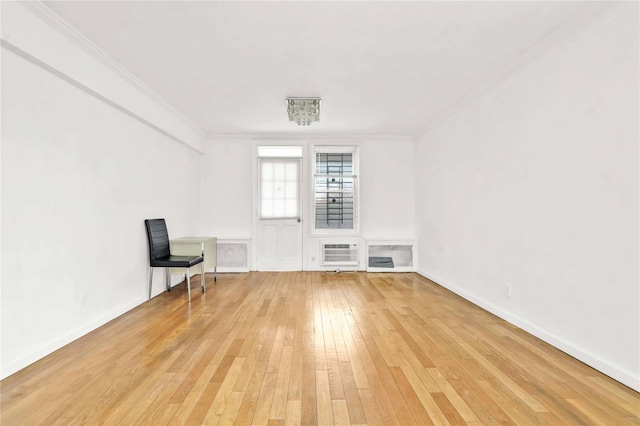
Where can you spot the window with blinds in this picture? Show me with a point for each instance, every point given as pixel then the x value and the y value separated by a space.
pixel 279 177
pixel 335 187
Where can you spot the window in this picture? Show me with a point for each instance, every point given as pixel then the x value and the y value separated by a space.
pixel 280 151
pixel 279 169
pixel 335 188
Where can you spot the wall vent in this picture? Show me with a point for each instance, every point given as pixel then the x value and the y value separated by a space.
pixel 391 256
pixel 339 254
pixel 233 255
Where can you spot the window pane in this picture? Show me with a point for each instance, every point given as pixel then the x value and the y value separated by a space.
pixel 291 208
pixel 291 191
pixel 291 171
pixel 334 210
pixel 278 208
pixel 267 208
pixel 267 172
pixel 279 191
pixel 334 183
pixel 280 151
pixel 338 163
pixel 267 190
pixel 278 171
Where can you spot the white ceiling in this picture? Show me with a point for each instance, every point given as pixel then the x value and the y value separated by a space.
pixel 379 67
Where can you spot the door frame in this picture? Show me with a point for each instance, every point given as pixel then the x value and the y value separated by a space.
pixel 304 194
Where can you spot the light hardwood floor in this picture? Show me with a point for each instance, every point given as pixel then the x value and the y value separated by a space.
pixel 312 348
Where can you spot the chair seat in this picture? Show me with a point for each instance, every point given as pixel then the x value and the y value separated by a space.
pixel 176 261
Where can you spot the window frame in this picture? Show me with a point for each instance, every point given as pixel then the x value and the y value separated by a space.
pixel 354 150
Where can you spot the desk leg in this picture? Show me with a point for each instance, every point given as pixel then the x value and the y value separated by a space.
pixel 189 283
pixel 203 282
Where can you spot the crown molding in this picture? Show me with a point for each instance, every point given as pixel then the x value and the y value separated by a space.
pixel 544 43
pixel 7 45
pixel 69 32
pixel 310 137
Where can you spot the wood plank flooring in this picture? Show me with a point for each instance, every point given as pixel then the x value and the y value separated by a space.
pixel 309 348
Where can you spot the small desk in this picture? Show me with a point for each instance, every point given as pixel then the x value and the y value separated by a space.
pixel 197 246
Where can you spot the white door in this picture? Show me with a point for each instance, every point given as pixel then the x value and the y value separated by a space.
pixel 279 227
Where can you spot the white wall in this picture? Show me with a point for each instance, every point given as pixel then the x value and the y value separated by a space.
pixel 535 183
pixel 386 188
pixel 36 31
pixel 78 179
pixel 387 191
pixel 227 188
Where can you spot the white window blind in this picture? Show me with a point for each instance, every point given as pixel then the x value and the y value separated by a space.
pixel 279 189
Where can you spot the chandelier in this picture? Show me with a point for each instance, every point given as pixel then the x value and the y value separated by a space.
pixel 303 111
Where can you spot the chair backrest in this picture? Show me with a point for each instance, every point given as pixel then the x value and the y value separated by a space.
pixel 158 239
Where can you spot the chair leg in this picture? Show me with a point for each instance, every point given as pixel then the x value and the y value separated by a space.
pixel 189 284
pixel 150 275
pixel 167 274
pixel 202 281
pixel 215 273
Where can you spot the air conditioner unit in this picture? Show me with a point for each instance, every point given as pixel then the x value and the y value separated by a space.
pixel 335 253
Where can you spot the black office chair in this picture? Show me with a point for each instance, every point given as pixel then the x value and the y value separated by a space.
pixel 160 255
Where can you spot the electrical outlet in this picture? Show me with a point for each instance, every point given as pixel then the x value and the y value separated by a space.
pixel 507 290
pixel 82 300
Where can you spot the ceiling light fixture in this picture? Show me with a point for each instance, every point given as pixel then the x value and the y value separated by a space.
pixel 303 111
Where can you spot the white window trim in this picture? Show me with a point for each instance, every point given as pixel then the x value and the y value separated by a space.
pixel 354 149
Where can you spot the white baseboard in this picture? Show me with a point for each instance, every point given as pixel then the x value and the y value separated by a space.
pixel 70 336
pixel 231 270
pixel 605 367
